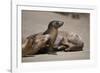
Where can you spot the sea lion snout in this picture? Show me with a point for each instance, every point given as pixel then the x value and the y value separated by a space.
pixel 60 23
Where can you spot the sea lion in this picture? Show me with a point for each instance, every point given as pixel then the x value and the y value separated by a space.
pixel 33 43
pixel 68 41
pixel 52 30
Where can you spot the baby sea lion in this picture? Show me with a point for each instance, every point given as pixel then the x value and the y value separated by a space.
pixel 68 41
pixel 52 30
pixel 33 43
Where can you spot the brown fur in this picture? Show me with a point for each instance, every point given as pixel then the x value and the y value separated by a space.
pixel 33 43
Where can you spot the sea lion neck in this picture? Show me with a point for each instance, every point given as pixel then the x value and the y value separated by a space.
pixel 50 30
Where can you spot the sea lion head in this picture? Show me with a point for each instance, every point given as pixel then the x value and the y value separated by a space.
pixel 55 24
